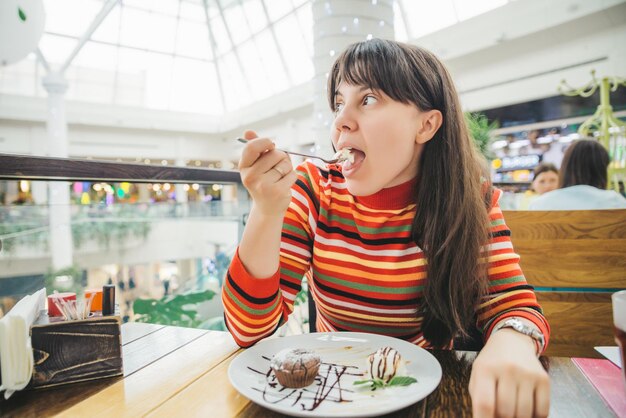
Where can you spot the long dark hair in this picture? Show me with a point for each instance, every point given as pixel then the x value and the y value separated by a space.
pixel 584 162
pixel 451 221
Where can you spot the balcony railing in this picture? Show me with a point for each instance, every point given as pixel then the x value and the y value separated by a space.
pixel 177 242
pixel 26 167
pixel 28 219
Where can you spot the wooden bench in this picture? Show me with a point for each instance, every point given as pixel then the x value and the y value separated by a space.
pixel 575 260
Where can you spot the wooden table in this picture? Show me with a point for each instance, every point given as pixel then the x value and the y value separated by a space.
pixel 171 371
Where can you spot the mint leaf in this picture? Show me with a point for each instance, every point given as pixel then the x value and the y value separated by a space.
pixel 395 381
pixel 21 14
pixel 376 383
pixel 402 381
pixel 362 382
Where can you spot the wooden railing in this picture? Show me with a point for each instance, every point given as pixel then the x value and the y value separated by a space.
pixel 26 167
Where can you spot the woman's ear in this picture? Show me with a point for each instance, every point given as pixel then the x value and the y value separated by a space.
pixel 429 125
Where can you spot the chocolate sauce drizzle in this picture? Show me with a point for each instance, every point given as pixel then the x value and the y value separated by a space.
pixel 381 366
pixel 328 387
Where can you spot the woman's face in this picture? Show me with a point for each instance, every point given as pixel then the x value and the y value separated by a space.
pixel 545 182
pixel 382 134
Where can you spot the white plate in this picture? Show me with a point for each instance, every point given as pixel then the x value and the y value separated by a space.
pixel 251 375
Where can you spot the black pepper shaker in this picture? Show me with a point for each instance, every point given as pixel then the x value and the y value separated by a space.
pixel 108 299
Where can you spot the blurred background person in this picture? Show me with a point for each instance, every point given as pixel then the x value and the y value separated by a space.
pixel 554 154
pixel 582 181
pixel 222 261
pixel 22 199
pixel 533 147
pixel 545 179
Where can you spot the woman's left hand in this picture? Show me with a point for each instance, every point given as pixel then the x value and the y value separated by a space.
pixel 508 380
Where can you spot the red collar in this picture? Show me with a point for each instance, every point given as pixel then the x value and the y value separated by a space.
pixel 396 197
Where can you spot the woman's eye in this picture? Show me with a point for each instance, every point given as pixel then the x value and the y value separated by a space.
pixel 338 107
pixel 368 100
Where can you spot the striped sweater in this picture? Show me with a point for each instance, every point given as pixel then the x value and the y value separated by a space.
pixel 365 272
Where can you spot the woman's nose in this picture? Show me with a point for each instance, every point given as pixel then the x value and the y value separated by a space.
pixel 344 121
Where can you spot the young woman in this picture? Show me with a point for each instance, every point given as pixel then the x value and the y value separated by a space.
pixel 406 240
pixel 583 181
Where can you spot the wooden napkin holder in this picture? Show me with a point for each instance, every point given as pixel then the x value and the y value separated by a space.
pixel 75 351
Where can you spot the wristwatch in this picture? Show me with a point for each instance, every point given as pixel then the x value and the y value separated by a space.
pixel 521 327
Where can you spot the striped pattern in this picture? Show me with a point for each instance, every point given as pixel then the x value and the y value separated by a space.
pixel 365 272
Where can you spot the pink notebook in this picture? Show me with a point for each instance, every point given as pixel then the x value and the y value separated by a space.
pixel 607 378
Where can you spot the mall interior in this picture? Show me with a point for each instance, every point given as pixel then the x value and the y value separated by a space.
pixel 172 84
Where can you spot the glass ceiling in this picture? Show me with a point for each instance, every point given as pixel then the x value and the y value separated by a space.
pixel 163 54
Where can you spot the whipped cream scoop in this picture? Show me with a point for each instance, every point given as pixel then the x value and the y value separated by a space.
pixel 383 364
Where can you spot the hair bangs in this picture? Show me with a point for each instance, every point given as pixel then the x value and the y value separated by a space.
pixel 374 65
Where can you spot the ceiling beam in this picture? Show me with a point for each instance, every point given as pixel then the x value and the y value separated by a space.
pixel 104 12
pixel 280 50
pixel 213 46
pixel 232 43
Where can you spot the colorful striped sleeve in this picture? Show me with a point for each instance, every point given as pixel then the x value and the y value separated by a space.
pixel 509 294
pixel 255 308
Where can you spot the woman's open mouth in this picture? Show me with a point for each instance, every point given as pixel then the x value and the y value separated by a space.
pixel 353 162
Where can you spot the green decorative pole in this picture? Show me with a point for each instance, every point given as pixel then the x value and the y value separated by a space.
pixel 603 125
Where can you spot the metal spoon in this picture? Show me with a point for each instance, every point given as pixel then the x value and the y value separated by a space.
pixel 326 160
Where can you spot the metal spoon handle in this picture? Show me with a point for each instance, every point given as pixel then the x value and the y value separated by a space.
pixel 328 161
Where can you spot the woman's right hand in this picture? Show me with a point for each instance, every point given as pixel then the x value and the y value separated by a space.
pixel 267 174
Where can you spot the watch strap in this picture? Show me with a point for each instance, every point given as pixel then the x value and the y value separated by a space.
pixel 519 326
